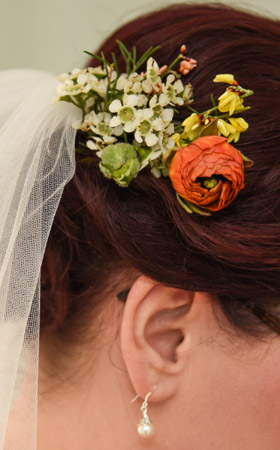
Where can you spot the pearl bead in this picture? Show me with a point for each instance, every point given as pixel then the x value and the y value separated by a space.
pixel 145 428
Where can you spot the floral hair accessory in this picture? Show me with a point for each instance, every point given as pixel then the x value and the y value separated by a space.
pixel 130 122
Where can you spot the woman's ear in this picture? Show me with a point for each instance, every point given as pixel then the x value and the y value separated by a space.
pixel 159 326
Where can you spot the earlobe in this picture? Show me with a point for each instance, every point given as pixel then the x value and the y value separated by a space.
pixel 154 337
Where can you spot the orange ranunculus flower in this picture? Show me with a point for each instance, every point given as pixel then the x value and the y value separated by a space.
pixel 208 161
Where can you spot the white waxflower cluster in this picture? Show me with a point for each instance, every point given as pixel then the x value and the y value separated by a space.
pixel 84 86
pixel 136 107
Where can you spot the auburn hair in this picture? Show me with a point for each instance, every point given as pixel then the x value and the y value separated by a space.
pixel 101 230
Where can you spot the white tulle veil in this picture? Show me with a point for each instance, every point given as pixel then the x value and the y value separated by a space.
pixel 37 149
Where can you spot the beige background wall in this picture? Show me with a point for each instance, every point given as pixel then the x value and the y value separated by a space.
pixel 52 34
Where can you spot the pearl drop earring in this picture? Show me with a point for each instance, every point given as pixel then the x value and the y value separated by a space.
pixel 145 427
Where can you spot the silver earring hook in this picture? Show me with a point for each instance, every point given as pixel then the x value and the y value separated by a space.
pixel 147 396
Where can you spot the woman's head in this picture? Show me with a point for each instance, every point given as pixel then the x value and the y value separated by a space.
pixel 103 233
pixel 194 282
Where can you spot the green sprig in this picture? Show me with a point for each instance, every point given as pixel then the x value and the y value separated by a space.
pixel 190 208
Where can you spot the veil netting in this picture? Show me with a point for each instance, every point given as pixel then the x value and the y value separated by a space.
pixel 37 159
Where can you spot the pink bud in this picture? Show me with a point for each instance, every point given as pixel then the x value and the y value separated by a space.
pixel 162 69
pixel 192 61
pixel 183 49
pixel 186 66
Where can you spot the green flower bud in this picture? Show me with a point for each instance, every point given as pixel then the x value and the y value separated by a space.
pixel 210 183
pixel 120 162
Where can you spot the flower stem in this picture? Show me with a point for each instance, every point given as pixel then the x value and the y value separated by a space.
pixel 170 66
pixel 238 111
pixel 192 109
pixel 247 94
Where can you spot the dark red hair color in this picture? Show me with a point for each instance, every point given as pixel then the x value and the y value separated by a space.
pixel 101 229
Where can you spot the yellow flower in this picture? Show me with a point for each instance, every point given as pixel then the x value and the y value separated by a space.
pixel 177 139
pixel 225 128
pixel 190 121
pixel 230 101
pixel 225 78
pixel 233 129
pixel 240 125
pixel 192 127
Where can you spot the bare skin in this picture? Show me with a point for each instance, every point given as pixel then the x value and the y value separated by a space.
pixel 214 390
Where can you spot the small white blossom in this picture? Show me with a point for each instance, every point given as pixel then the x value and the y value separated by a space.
pixel 103 134
pixel 144 132
pixel 109 139
pixel 91 145
pixel 153 101
pixel 170 129
pixel 188 94
pixel 76 72
pixel 158 124
pixel 163 100
pixel 81 82
pixel 63 77
pixel 121 81
pixel 83 78
pixel 118 131
pixel 172 88
pixel 167 114
pixel 76 125
pixel 142 101
pixel 97 71
pixel 137 87
pixel 115 106
pixel 156 172
pixel 153 72
pixel 147 86
pixel 126 113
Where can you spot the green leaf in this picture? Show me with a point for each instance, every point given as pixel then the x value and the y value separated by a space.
pixel 214 104
pixel 247 162
pixel 247 92
pixel 211 129
pixel 108 85
pixel 99 76
pixel 115 64
pixel 146 56
pixel 124 49
pixel 66 98
pixel 192 109
pixel 182 203
pixel 92 91
pixel 134 55
pixel 190 208
pixel 200 211
pixel 102 59
pixel 143 152
pixel 167 70
pixel 126 56
pixel 87 161
pixel 106 64
pixel 169 155
pixel 82 151
pixel 240 111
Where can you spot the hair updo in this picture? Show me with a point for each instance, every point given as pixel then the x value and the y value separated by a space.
pixel 102 230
